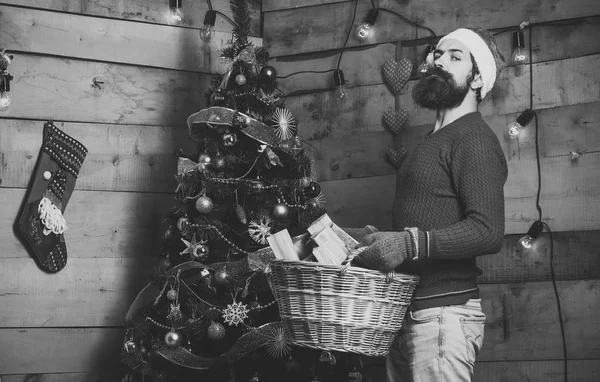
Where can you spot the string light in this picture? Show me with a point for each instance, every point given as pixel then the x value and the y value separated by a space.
pixel 5 78
pixel 208 30
pixel 175 12
pixel 340 85
pixel 514 128
pixel 532 234
pixel 519 55
pixel 365 30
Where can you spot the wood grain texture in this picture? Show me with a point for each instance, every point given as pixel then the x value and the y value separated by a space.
pixel 532 371
pixel 308 29
pixel 521 326
pixel 522 321
pixel 59 350
pixel 573 81
pixel 562 130
pixel 61 89
pixel 569 199
pixel 148 11
pixel 512 371
pixel 576 257
pixel 361 67
pixel 101 224
pixel 108 40
pixel 120 157
pixel 87 292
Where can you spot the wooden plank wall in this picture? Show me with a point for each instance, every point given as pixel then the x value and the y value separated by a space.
pixel 522 340
pixel 68 326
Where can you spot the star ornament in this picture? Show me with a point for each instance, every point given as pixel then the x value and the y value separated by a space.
pixel 235 313
pixel 192 248
pixel 284 123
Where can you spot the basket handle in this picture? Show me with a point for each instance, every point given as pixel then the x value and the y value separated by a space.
pixel 389 277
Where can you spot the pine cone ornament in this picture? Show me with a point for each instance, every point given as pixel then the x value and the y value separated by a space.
pixel 395 120
pixel 395 74
pixel 241 214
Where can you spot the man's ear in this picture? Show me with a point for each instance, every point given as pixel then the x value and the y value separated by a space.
pixel 477 82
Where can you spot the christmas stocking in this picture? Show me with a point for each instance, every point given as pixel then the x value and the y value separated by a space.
pixel 41 222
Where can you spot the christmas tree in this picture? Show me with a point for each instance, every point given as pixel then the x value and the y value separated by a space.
pixel 209 312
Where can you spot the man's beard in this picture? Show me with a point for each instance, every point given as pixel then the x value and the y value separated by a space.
pixel 437 89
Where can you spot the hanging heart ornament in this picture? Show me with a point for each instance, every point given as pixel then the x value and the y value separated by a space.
pixel 395 120
pixel 396 156
pixel 395 74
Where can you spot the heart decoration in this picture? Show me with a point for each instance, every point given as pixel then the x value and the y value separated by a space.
pixel 395 73
pixel 396 156
pixel 395 120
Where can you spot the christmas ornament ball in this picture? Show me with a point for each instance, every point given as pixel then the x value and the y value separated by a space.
pixel 182 223
pixel 280 211
pixel 200 252
pixel 240 79
pixel 221 276
pixel 172 295
pixel 313 190
pixel 130 346
pixel 268 73
pixel 305 181
pixel 216 331
pixel 172 339
pixel 204 204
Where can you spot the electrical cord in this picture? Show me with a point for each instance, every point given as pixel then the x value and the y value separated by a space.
pixel 306 71
pixel 226 17
pixel 347 35
pixel 539 209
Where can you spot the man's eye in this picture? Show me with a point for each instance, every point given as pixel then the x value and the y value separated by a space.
pixel 436 56
pixel 455 58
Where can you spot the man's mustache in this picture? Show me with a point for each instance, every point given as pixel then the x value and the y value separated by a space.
pixel 437 71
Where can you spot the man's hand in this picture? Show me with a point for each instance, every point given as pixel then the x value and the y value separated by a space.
pixel 385 250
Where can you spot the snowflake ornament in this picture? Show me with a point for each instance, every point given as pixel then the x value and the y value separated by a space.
pixel 284 123
pixel 235 313
pixel 260 230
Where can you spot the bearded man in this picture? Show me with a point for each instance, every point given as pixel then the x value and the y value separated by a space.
pixel 448 209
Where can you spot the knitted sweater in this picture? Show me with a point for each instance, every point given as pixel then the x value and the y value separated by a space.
pixel 452 187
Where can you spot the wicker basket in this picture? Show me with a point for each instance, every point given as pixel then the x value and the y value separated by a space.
pixel 338 307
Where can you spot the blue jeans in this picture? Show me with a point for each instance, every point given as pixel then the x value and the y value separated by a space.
pixel 437 344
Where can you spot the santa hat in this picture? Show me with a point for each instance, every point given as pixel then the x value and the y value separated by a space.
pixel 482 44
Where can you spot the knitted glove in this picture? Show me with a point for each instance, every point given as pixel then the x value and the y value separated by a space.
pixel 386 250
pixel 359 233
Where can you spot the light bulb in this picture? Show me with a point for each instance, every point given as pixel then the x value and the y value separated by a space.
pixel 208 30
pixel 534 231
pixel 340 88
pixel 523 119
pixel 513 129
pixel 5 100
pixel 175 12
pixel 520 54
pixel 365 30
